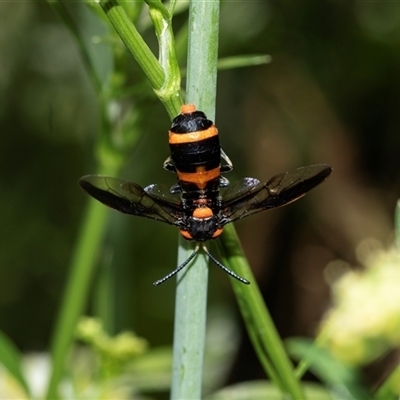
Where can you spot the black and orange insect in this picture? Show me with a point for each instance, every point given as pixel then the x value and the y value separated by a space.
pixel 195 204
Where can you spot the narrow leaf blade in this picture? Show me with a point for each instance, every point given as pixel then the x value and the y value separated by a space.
pixel 10 357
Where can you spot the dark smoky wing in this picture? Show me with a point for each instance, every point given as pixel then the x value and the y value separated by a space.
pixel 129 198
pixel 239 189
pixel 163 194
pixel 280 190
pixel 170 202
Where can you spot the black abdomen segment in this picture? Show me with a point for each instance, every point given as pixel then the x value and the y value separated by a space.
pixel 188 156
pixel 195 151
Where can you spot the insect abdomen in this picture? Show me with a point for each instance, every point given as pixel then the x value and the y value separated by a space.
pixel 195 150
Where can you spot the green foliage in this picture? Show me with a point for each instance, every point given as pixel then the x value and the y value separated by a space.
pixel 343 380
pixel 114 352
pixel 10 357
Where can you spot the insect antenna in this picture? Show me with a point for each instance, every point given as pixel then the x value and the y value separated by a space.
pixel 175 271
pixel 228 271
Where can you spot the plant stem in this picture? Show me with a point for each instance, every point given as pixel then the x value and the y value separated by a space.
pixel 263 334
pixel 165 77
pixel 191 294
pixel 134 42
pixel 189 326
pixel 201 81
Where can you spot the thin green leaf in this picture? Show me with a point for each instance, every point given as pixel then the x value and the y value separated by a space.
pixel 10 357
pixel 265 390
pixel 343 379
pixel 390 388
pixel 243 61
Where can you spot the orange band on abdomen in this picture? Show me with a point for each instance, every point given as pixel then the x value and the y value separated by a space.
pixel 200 177
pixel 190 137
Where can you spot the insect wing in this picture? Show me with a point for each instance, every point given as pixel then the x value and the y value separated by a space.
pixel 170 202
pixel 280 190
pixel 129 198
pixel 163 194
pixel 239 189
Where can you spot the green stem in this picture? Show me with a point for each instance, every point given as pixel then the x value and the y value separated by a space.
pixel 201 81
pixel 191 293
pixel 189 326
pixel 164 78
pixel 259 324
pixel 134 42
pixel 170 90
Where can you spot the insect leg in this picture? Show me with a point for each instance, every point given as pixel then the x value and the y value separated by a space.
pixel 176 188
pixel 228 166
pixel 169 165
pixel 223 182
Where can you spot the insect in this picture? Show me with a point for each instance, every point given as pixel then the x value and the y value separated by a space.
pixel 195 204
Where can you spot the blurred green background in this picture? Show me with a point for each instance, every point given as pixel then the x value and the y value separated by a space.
pixel 330 95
